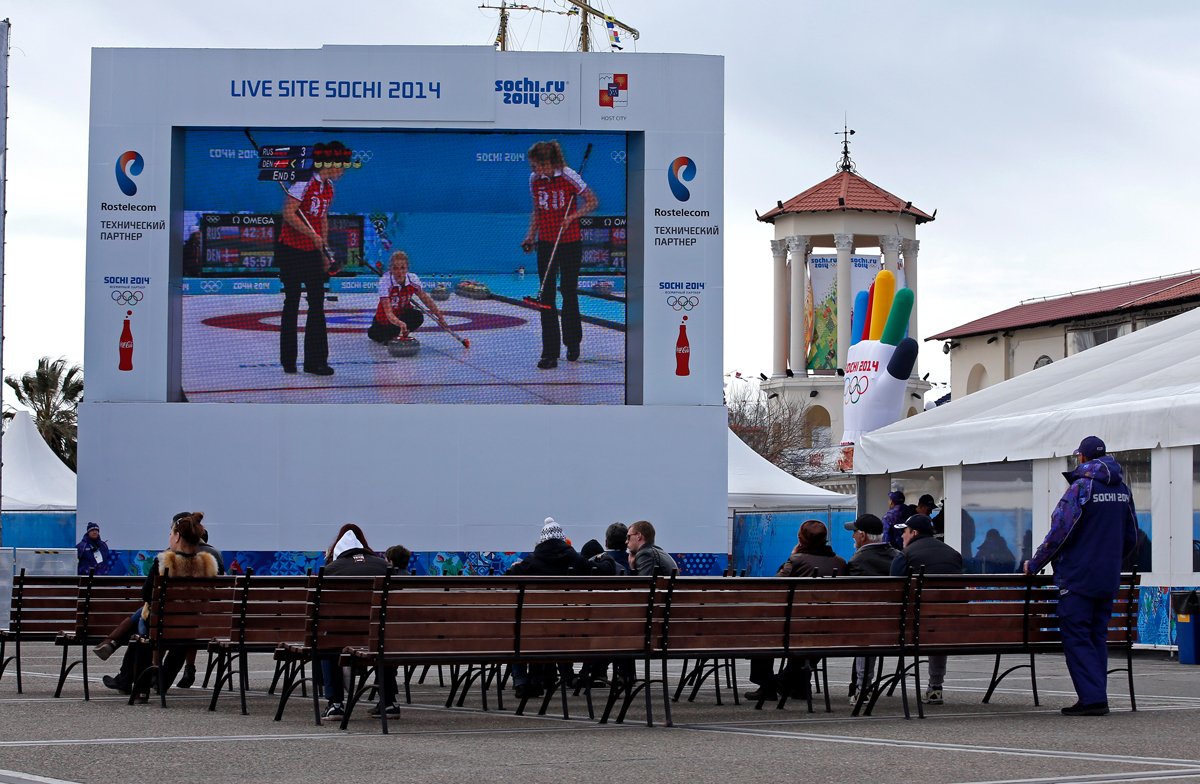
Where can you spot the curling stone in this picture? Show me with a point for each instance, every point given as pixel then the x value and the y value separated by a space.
pixel 404 347
pixel 440 292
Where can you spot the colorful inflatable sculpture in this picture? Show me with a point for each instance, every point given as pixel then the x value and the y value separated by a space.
pixel 880 359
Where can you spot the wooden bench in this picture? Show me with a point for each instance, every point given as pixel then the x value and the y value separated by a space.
pixel 337 617
pixel 43 607
pixel 100 604
pixel 268 612
pixel 507 620
pixel 805 617
pixel 186 613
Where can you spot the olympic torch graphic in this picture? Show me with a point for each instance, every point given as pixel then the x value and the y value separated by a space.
pixel 880 358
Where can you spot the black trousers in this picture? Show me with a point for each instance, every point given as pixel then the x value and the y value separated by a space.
pixel 566 269
pixel 383 331
pixel 302 271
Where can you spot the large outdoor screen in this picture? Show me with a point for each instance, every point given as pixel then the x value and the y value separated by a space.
pixel 352 266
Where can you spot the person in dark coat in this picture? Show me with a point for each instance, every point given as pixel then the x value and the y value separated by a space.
pixel 351 556
pixel 812 557
pixel 872 558
pixel 1092 528
pixel 92 551
pixel 614 561
pixel 923 551
pixel 994 555
pixel 550 557
pixel 897 512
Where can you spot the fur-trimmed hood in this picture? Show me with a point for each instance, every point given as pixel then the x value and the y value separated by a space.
pixel 175 564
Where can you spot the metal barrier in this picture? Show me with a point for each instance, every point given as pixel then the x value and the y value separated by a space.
pixel 33 561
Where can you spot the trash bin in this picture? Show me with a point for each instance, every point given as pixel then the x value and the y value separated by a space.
pixel 1186 607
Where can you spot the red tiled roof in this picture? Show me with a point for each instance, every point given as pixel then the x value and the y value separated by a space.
pixel 844 192
pixel 1130 297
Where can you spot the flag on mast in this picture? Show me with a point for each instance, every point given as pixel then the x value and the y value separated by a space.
pixel 614 37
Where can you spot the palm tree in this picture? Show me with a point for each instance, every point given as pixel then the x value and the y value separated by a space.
pixel 53 393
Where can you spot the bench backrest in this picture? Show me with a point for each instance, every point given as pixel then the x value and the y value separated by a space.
pixel 103 602
pixel 974 612
pixel 844 614
pixel 270 610
pixel 506 617
pixel 43 605
pixel 190 609
pixel 710 615
pixel 338 611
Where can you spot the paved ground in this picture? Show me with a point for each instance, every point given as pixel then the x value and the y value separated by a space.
pixel 1008 740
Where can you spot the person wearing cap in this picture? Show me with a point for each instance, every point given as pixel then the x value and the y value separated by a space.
pixel 1093 526
pixel 872 558
pixel 922 551
pixel 92 552
pixel 551 556
pixel 897 512
pixel 926 505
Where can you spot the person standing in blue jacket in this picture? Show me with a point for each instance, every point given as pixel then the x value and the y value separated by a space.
pixel 92 551
pixel 1093 526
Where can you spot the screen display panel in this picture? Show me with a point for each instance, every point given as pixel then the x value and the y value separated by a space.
pixel 397 266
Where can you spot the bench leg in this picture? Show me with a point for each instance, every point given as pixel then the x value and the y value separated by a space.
pixel 62 672
pixel 221 664
pixel 83 657
pixel 667 693
pixel 686 677
pixel 208 668
pixel 243 678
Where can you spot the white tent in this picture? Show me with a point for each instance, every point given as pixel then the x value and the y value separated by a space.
pixel 1140 391
pixel 34 479
pixel 757 483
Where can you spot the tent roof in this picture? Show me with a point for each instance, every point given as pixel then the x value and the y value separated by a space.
pixel 34 479
pixel 1139 391
pixel 755 482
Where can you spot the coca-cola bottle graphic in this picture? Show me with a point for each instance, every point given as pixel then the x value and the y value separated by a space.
pixel 683 351
pixel 125 347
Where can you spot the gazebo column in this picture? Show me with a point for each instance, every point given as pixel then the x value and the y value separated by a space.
pixel 844 243
pixel 890 245
pixel 911 248
pixel 779 352
pixel 797 342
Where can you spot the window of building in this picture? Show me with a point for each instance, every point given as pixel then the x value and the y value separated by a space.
pixel 1082 339
pixel 997 517
pixel 1042 361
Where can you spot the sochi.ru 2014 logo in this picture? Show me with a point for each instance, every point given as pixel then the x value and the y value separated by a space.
pixel 532 92
pixel 614 90
pixel 129 165
pixel 681 169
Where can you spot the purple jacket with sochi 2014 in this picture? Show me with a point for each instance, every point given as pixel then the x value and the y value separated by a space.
pixel 1093 526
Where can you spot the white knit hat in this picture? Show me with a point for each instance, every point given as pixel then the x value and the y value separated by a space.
pixel 551 530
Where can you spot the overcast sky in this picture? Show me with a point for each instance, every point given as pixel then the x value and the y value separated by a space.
pixel 1056 140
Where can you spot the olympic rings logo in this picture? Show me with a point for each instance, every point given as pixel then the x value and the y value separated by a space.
pixel 856 387
pixel 361 156
pixel 210 218
pixel 682 303
pixel 618 156
pixel 127 297
pixel 210 286
pixel 553 98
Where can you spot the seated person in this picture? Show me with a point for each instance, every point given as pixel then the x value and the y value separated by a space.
pixel 351 556
pixel 182 558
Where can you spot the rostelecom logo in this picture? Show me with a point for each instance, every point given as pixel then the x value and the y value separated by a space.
pixel 129 165
pixel 681 169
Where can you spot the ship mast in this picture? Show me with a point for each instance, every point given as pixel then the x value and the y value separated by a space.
pixel 581 9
